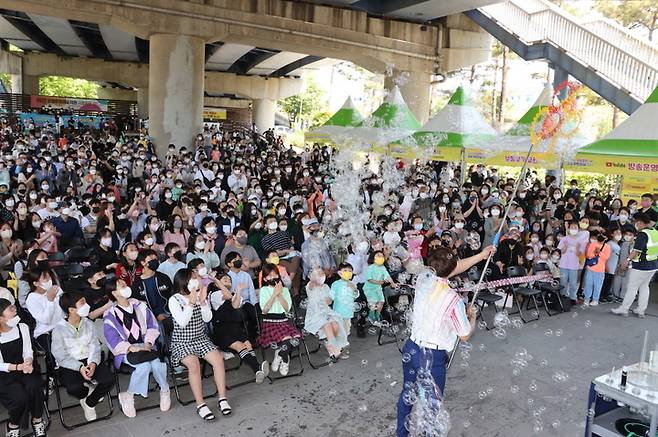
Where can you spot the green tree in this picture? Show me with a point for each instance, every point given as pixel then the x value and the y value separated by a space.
pixel 303 108
pixel 632 14
pixel 6 80
pixel 67 87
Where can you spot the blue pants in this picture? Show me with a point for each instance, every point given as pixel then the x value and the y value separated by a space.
pixel 139 379
pixel 438 371
pixel 569 283
pixel 592 284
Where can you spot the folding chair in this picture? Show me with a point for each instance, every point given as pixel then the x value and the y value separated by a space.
pixel 26 422
pixel 125 369
pixel 228 357
pixel 52 373
pixel 299 318
pixel 78 254
pixel 392 314
pixel 484 298
pixel 298 347
pixel 522 290
pixel 548 289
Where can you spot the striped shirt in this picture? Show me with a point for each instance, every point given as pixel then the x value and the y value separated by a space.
pixel 279 240
pixel 439 315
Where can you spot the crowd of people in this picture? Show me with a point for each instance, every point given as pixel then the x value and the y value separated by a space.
pixel 209 248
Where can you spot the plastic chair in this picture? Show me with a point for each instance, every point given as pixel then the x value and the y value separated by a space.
pixel 484 298
pixel 548 289
pixel 521 290
pixel 393 315
pixel 125 369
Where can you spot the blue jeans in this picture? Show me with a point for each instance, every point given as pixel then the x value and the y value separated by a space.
pixel 569 283
pixel 139 379
pixel 592 284
pixel 438 371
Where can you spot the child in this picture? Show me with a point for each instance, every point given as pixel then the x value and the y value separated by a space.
pixel 43 304
pixel 343 295
pixel 174 262
pixel 597 255
pixel 621 273
pixel 276 331
pixel 191 311
pixel 614 241
pixel 376 276
pixel 229 333
pixel 320 319
pixel 273 258
pixel 77 353
pixel 131 330
pixel 21 389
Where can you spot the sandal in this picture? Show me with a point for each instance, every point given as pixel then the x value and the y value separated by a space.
pixel 204 412
pixel 224 407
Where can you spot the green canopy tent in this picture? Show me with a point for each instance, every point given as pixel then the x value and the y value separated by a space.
pixel 343 120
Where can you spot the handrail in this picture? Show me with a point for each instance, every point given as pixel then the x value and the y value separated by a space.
pixel 538 21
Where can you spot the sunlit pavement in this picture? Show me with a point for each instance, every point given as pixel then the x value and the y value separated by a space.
pixel 356 397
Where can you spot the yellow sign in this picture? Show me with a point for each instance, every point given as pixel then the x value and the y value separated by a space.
pixel 512 159
pixel 634 186
pixel 437 153
pixel 613 164
pixel 214 114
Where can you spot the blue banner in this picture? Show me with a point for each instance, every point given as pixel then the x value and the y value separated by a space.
pixel 38 119
pixel 44 119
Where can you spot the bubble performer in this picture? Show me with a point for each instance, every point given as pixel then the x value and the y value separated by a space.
pixel 439 318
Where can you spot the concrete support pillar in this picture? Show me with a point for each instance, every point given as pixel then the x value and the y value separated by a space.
pixel 143 103
pixel 30 84
pixel 559 76
pixel 415 88
pixel 16 83
pixel 264 112
pixel 175 92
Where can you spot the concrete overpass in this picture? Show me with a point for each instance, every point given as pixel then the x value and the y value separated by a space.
pixel 234 47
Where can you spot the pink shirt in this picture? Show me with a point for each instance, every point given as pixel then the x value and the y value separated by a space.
pixel 180 239
pixel 571 247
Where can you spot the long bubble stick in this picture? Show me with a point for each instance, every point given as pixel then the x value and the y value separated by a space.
pixel 496 239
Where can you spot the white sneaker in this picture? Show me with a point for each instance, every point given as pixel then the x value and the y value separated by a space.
pixel 639 313
pixel 276 362
pixel 127 403
pixel 283 369
pixel 594 303
pixel 165 400
pixel 263 372
pixel 619 311
pixel 585 303
pixel 90 412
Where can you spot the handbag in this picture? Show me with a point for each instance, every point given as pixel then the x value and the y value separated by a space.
pixel 592 261
pixel 141 357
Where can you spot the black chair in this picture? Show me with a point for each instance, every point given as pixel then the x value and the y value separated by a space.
pixel 78 254
pixel 53 375
pixel 125 369
pixel 550 291
pixel 230 356
pixel 521 291
pixel 484 298
pixel 298 319
pixel 292 356
pixel 392 315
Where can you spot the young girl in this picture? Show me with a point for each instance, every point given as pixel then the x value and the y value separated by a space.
pixel 376 276
pixel 21 387
pixel 343 295
pixel 229 333
pixel 128 268
pixel 597 254
pixel 273 258
pixel 277 331
pixel 131 330
pixel 191 311
pixel 43 304
pixel 572 248
pixel 320 319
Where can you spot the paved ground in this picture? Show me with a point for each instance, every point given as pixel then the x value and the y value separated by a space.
pixel 357 397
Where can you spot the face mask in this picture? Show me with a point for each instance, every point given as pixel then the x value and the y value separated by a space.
pixel 258 226
pixel 203 208
pixel 7 233
pixel 132 255
pixel 83 311
pixel 549 243
pixel 623 217
pixel 555 258
pixel 200 245
pixel 47 284
pixel 36 224
pixel 534 240
pixel 154 227
pixel 274 260
pixel 583 225
pixel 519 213
pixel 628 238
pixel 459 225
pixel 203 272
pixel 379 260
pixel 193 285
pixel 272 226
pixel 52 205
pixel 33 195
pixel 148 242
pixel 283 227
pixel 346 275
pixel 616 237
pixel 442 208
pixel 242 239
pixel 543 256
pixel 495 213
pixel 211 230
pixel 529 257
pixel 418 226
pixel 573 232
pixel 125 292
pixel 106 241
pixel 13 322
pixel 153 264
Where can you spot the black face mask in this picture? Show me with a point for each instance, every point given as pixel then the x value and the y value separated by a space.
pixel 237 263
pixel 153 264
pixel 272 282
pixel 179 256
pixel 101 282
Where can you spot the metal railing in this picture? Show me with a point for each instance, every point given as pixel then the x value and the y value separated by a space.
pixel 616 54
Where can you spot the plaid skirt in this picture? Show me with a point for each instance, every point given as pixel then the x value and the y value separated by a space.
pixel 276 331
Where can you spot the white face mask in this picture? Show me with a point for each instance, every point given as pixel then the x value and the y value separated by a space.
pixel 495 213
pixel 418 226
pixel 13 322
pixel 529 257
pixel 107 241
pixel 283 227
pixel 154 227
pixel 83 311
pixel 272 226
pixel 193 285
pixel 200 245
pixel 573 232
pixel 555 258
pixel 47 284
pixel 211 230
pixel 203 272
pixel 125 292
pixel 628 238
pixel 459 225
pixel 148 241
pixel 623 217
pixel 7 233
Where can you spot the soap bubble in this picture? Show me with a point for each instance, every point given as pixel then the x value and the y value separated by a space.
pixel 363 408
pixel 387 376
pixel 537 413
pixel 482 325
pixel 588 323
pixel 482 394
pixel 466 424
pixel 535 314
pixel 574 314
pixel 595 365
pixel 591 413
pixel 514 389
pixel 501 319
pixel 406 358
pixel 517 323
pixel 412 351
pixel 364 362
pixel 531 401
pixel 543 363
pixel 621 356
pixel 303 303
pixel 464 364
pixel 555 424
pixel 558 332
pixel 537 427
pixel 499 333
pixel 548 332
pixel 490 390
pixel 372 330
pixel 294 342
pixel 378 364
pixel 533 386
pixel 482 348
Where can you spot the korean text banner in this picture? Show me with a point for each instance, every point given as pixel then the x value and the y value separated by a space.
pixel 94 105
pixel 613 164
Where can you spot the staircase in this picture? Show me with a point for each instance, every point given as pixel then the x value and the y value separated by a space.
pixel 604 56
